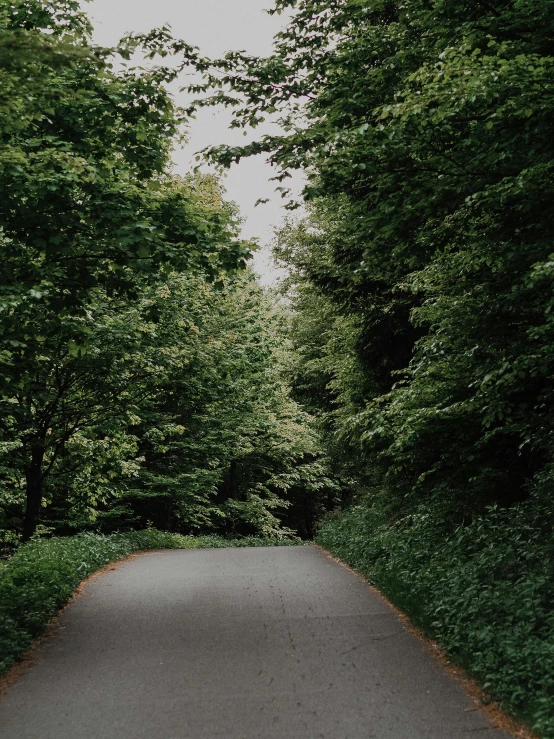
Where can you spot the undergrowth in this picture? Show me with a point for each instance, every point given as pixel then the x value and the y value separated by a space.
pixel 42 575
pixel 484 591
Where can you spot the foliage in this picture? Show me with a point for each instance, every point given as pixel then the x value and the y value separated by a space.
pixel 212 541
pixel 139 372
pixel 425 130
pixel 176 413
pixel 483 590
pixel 41 577
pixel 84 168
pixel 224 446
pixel 90 212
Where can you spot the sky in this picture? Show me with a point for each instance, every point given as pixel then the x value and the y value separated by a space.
pixel 216 26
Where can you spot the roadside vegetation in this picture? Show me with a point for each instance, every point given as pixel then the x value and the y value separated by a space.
pixel 483 590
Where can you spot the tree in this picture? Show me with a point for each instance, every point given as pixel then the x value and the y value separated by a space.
pixel 425 130
pixel 177 413
pixel 89 211
pixel 224 447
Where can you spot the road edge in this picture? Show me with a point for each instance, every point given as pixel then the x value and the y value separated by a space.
pixel 18 669
pixel 478 695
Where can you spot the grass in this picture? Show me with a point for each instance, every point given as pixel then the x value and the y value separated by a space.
pixel 41 576
pixel 484 591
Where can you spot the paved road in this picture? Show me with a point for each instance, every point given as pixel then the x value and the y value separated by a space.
pixel 276 643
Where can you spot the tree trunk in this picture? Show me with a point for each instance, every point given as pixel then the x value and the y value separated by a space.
pixel 35 478
pixel 232 488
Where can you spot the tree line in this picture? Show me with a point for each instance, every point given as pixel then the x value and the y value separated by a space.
pixel 141 365
pixel 146 377
pixel 421 277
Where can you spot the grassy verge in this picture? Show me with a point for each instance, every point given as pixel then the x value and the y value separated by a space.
pixel 41 577
pixel 484 591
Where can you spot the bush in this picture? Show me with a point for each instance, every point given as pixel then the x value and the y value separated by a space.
pixel 212 541
pixel 484 590
pixel 41 577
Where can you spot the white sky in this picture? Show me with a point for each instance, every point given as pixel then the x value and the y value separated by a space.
pixel 216 26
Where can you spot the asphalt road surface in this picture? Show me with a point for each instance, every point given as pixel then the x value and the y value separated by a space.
pixel 265 643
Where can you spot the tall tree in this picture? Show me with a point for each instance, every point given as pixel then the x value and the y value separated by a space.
pixel 425 130
pixel 88 206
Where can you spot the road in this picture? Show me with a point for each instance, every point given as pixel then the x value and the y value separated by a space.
pixel 264 643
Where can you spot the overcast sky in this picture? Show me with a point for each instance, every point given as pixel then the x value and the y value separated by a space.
pixel 216 26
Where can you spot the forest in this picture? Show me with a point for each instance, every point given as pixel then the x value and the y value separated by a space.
pixel 143 368
pixel 392 398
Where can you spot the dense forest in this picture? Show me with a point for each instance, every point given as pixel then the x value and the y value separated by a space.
pixel 142 367
pixel 421 276
pixel 394 397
